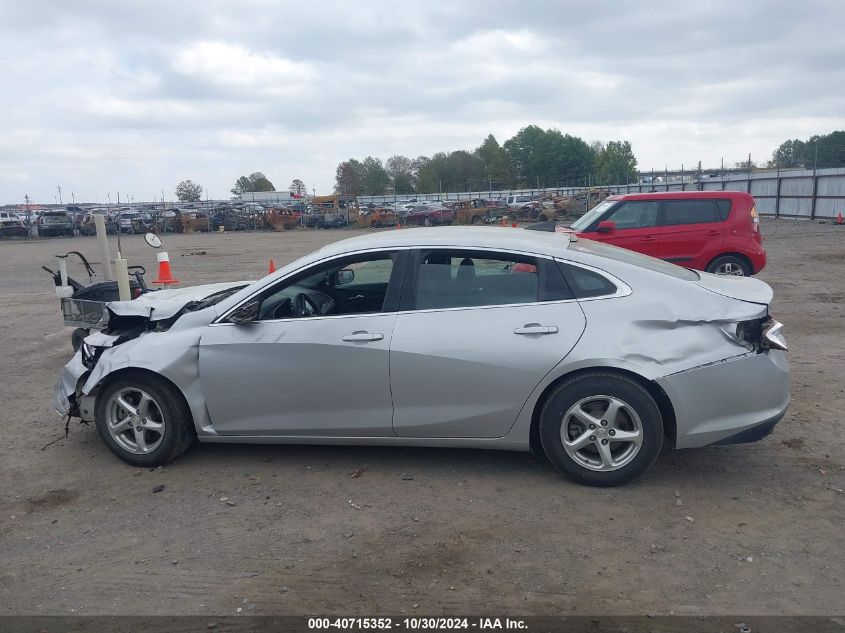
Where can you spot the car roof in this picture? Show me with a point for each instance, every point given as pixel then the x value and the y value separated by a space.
pixel 542 243
pixel 679 195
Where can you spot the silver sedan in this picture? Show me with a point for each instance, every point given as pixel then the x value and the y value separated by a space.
pixel 463 337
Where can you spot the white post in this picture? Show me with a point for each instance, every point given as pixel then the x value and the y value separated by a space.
pixel 100 224
pixel 122 272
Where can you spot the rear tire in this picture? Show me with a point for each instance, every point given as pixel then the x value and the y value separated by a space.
pixel 626 433
pixel 159 430
pixel 729 265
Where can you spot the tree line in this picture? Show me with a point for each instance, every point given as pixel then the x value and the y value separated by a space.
pixel 818 151
pixel 533 157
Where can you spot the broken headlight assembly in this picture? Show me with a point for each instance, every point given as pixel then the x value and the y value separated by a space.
pixel 89 355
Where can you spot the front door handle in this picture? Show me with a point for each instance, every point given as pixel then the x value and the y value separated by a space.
pixel 536 329
pixel 362 336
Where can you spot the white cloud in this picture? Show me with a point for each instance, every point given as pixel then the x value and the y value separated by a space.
pixel 227 64
pixel 125 97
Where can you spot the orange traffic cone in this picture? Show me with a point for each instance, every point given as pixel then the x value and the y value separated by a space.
pixel 839 219
pixel 513 225
pixel 272 267
pixel 165 277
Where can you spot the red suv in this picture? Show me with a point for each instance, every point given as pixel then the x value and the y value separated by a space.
pixel 716 231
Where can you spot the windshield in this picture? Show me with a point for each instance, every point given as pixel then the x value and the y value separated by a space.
pixel 590 216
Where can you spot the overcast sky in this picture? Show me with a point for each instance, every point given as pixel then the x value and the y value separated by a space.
pixel 131 97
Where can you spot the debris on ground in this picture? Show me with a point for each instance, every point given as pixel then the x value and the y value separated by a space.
pixel 158 488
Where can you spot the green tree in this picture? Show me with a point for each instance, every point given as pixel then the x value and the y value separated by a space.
pixel 376 179
pixel 252 183
pixel 547 157
pixel 349 177
pixel 401 171
pixel 494 163
pixel 298 188
pixel 188 191
pixel 616 163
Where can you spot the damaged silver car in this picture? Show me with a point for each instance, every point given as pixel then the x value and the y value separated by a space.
pixel 461 337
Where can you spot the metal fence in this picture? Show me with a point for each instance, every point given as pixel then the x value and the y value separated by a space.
pixel 811 194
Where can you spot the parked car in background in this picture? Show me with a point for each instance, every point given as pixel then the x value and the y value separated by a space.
pixel 714 231
pixel 459 337
pixel 12 226
pixel 52 223
pixel 517 203
pixel 375 217
pixel 132 222
pixel 429 215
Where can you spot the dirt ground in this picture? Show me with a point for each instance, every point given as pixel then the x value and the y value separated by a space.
pixel 751 529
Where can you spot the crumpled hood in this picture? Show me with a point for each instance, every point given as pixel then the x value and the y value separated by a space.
pixel 163 304
pixel 742 288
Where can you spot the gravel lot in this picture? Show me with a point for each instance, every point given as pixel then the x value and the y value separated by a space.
pixel 752 529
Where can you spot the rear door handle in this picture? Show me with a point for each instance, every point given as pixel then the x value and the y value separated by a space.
pixel 363 336
pixel 536 329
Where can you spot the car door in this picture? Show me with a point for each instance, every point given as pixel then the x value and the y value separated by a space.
pixel 319 371
pixel 690 230
pixel 635 227
pixel 477 331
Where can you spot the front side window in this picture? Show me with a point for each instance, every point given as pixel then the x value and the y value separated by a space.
pixel 637 214
pixel 689 212
pixel 351 285
pixel 458 279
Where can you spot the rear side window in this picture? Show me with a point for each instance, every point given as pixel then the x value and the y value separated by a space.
pixel 586 283
pixel 459 279
pixel 724 207
pixel 689 212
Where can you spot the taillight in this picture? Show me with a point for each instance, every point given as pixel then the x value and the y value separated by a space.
pixel 755 220
pixel 758 335
pixel 772 336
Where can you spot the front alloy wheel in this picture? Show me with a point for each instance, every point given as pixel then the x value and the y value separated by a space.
pixel 143 419
pixel 135 421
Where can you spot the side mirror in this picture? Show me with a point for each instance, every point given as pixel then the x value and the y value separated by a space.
pixel 343 277
pixel 246 313
pixel 153 240
pixel 607 226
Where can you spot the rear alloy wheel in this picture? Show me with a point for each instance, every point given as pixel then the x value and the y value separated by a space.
pixel 601 429
pixel 143 420
pixel 427 222
pixel 729 265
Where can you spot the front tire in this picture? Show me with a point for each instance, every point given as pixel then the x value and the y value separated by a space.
pixel 729 265
pixel 601 429
pixel 143 419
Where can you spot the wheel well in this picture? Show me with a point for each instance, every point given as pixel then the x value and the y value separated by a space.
pixel 130 371
pixel 737 255
pixel 667 412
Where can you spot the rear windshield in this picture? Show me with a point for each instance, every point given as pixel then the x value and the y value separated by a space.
pixel 615 253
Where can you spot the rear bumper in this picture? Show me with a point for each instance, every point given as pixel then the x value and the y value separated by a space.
pixel 734 401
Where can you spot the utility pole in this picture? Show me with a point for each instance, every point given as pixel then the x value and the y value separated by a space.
pixel 60 190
